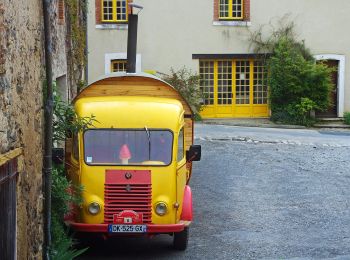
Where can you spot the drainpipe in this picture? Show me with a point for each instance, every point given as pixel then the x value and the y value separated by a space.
pixel 86 41
pixel 48 113
pixel 132 39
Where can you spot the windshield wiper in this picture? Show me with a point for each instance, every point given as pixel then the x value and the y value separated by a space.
pixel 149 143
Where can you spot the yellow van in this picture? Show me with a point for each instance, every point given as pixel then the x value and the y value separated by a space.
pixel 135 163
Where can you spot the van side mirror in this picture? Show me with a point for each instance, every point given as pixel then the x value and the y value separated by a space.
pixel 57 155
pixel 194 154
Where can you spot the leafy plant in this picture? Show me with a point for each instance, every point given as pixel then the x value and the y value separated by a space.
pixel 266 38
pixel 76 23
pixel 187 83
pixel 64 252
pixel 347 118
pixel 297 84
pixel 300 112
pixel 64 194
pixel 66 121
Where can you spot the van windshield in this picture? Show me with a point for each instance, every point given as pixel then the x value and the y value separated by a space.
pixel 128 147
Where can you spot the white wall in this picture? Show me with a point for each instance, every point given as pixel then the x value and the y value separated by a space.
pixel 171 31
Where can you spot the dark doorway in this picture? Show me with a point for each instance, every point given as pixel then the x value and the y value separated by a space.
pixel 8 173
pixel 333 95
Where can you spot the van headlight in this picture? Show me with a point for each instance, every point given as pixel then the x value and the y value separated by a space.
pixel 94 208
pixel 161 208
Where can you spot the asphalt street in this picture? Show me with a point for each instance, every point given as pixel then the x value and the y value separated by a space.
pixel 260 194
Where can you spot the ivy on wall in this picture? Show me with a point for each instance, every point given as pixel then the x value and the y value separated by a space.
pixel 76 44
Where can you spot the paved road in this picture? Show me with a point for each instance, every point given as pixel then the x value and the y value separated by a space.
pixel 260 200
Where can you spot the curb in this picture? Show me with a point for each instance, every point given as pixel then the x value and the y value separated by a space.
pixel 256 141
pixel 314 127
pixel 332 126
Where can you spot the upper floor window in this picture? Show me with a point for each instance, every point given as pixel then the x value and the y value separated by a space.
pixel 231 13
pixel 114 10
pixel 60 11
pixel 231 9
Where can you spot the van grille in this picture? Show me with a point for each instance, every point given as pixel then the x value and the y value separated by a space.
pixel 131 196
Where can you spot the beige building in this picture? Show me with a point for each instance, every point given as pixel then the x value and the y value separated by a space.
pixel 211 37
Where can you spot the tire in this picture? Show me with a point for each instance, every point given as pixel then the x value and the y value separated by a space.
pixel 181 239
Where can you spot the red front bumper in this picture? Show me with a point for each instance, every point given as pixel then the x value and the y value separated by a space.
pixel 103 228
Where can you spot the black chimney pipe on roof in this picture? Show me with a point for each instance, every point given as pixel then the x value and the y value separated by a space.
pixel 132 43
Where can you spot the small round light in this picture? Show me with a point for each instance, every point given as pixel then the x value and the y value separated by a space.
pixel 94 208
pixel 161 208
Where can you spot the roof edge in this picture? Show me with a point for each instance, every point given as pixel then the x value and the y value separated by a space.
pixel 138 74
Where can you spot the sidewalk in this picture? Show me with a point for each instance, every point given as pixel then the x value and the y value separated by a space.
pixel 266 123
pixel 311 137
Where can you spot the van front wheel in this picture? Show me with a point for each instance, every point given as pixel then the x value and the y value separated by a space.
pixel 181 239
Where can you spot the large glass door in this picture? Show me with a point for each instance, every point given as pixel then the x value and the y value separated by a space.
pixel 234 88
pixel 224 89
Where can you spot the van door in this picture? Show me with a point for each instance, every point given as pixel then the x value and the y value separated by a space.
pixel 181 172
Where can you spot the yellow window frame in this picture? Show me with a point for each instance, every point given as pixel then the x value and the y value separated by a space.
pixel 251 81
pixel 119 62
pixel 214 99
pixel 230 9
pixel 114 14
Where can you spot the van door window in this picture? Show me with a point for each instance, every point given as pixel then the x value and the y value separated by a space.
pixel 75 147
pixel 180 146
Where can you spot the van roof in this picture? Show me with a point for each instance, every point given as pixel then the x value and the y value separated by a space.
pixel 125 74
pixel 132 84
pixel 132 112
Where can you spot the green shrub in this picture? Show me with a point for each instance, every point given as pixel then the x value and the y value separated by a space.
pixel 64 194
pixel 187 83
pixel 347 118
pixel 299 113
pixel 66 121
pixel 64 251
pixel 297 84
pixel 198 117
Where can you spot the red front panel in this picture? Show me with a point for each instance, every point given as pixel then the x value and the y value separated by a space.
pixel 128 190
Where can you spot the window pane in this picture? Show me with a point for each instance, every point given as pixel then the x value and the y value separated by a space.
pixel 206 73
pixel 75 147
pixel 260 83
pixel 237 8
pixel 107 10
pixel 119 65
pixel 224 82
pixel 180 150
pixel 242 82
pixel 121 10
pixel 224 9
pixel 128 147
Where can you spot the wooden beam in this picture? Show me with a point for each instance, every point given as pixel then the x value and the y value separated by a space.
pixel 4 158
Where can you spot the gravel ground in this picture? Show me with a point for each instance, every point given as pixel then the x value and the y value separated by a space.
pixel 259 201
pixel 274 201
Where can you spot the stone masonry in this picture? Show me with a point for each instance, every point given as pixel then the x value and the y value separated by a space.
pixel 21 108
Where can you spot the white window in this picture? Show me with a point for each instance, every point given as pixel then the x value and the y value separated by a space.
pixel 110 57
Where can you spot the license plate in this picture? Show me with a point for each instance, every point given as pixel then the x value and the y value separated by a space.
pixel 127 228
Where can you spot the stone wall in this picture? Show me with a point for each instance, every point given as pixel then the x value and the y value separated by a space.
pixel 21 108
